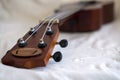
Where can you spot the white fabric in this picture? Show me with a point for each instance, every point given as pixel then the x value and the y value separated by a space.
pixel 89 56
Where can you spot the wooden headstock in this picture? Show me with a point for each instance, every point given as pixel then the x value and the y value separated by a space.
pixel 35 52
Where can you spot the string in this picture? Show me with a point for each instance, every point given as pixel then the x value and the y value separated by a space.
pixel 42 23
pixel 48 26
pixel 45 20
pixel 39 26
pixel 45 30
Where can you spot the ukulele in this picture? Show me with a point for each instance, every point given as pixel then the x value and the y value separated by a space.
pixel 35 48
pixel 86 15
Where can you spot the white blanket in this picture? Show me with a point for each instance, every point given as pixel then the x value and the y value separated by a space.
pixel 89 56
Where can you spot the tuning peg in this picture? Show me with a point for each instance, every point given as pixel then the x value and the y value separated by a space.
pixel 63 43
pixel 57 56
pixel 49 31
pixel 31 31
pixel 21 43
pixel 42 44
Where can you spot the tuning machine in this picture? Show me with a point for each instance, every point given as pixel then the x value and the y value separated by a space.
pixel 49 31
pixel 32 30
pixel 57 56
pixel 63 43
pixel 21 43
pixel 42 44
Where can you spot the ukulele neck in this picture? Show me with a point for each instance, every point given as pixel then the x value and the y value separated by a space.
pixel 67 11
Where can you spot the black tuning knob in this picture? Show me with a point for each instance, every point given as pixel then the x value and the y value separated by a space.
pixel 49 31
pixel 21 43
pixel 63 43
pixel 32 30
pixel 42 44
pixel 57 56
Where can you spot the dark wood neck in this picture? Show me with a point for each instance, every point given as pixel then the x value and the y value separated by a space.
pixel 66 11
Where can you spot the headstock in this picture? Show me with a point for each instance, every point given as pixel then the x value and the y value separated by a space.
pixel 35 48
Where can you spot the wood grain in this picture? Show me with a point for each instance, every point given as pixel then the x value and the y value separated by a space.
pixel 89 18
pixel 35 61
